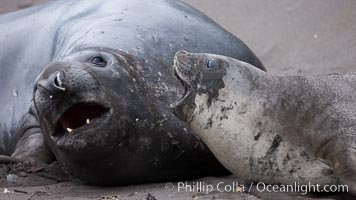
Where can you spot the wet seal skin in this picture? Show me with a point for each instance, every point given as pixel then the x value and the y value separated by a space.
pixel 90 83
pixel 270 128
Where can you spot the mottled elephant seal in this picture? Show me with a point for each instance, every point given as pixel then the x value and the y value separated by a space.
pixel 276 129
pixel 104 86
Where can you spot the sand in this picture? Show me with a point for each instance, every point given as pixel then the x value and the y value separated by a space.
pixel 290 37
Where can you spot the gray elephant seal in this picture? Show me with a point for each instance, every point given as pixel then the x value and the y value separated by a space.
pixel 275 129
pixel 82 109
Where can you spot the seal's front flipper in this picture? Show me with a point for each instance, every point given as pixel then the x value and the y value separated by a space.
pixel 32 146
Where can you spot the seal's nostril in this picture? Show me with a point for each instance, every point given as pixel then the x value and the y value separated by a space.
pixel 58 81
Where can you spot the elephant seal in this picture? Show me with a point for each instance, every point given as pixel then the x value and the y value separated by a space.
pixel 78 55
pixel 275 129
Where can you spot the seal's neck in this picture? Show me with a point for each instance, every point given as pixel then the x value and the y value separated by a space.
pixel 243 78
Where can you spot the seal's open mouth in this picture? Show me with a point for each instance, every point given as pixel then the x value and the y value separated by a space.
pixel 186 90
pixel 182 71
pixel 79 115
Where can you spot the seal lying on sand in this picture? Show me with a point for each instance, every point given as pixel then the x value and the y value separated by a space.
pixel 82 53
pixel 275 129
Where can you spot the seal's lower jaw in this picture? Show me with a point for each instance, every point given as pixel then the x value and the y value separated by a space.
pixel 186 93
pixel 80 117
pixel 182 100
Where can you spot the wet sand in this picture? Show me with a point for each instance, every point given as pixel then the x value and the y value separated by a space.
pixel 292 37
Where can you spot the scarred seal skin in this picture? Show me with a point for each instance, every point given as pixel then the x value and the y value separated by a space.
pixel 270 128
pixel 101 100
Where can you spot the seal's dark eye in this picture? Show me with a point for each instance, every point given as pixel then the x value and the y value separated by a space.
pixel 97 60
pixel 211 64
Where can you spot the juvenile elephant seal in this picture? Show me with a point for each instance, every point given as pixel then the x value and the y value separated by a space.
pixel 275 129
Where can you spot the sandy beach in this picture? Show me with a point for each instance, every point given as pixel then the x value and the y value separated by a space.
pixel 290 37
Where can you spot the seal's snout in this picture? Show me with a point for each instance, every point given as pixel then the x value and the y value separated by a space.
pixel 181 53
pixel 53 85
pixel 58 81
pixel 184 66
pixel 181 56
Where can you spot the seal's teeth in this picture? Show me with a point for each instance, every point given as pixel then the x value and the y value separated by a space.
pixel 69 130
pixel 88 121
